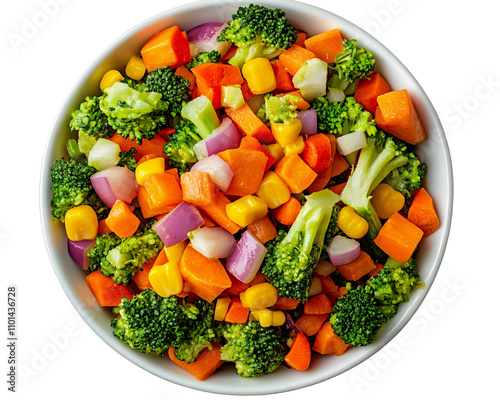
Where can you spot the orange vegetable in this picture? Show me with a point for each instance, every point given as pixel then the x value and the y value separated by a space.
pixel 325 45
pixel 295 173
pixel 245 90
pixel 229 54
pixel 285 303
pixel 422 213
pixel 283 78
pixel 329 288
pixel 310 324
pixel 206 362
pixel 141 277
pixel 327 342
pixel 249 124
pixel 319 304
pixel 299 102
pixel 208 222
pixel 147 158
pixel 321 180
pixel 102 227
pixel 181 70
pixel 159 194
pixel 399 238
pixel 161 258
pixel 248 167
pixel 339 164
pixel 299 356
pixel 397 115
pixel 121 220
pixel 338 188
pixel 317 152
pixel 170 47
pixel 165 133
pixel 369 89
pixel 358 268
pixel 107 292
pixel 294 57
pixel 378 268
pixel 207 277
pixel 237 314
pixel 251 143
pixel 197 188
pixel 263 229
pixel 287 213
pixel 153 146
pixel 237 287
pixel 259 278
pixel 217 213
pixel 301 38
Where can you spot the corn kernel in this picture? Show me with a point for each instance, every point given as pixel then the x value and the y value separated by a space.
pixel 386 200
pixel 273 190
pixel 135 68
pixel 259 75
pixel 278 318
pixel 166 279
pixel 260 296
pixel 174 253
pixel 110 78
pixel 246 210
pixel 221 307
pixel 351 223
pixel 150 167
pixel 265 317
pixel 81 223
pixel 296 147
pixel 286 133
pixel 274 150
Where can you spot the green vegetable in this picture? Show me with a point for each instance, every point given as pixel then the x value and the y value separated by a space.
pixel 201 112
pixel 353 62
pixel 280 109
pixel 90 119
pixel 203 58
pixel 179 147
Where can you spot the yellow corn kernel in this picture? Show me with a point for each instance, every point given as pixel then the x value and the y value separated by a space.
pixel 81 223
pixel 286 133
pixel 174 253
pixel 150 167
pixel 221 307
pixel 386 200
pixel 246 210
pixel 110 78
pixel 296 147
pixel 278 318
pixel 273 190
pixel 274 150
pixel 259 75
pixel 351 223
pixel 135 68
pixel 265 317
pixel 166 279
pixel 260 296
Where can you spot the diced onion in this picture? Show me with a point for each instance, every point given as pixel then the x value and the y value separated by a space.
pixel 245 259
pixel 212 242
pixel 220 172
pixel 174 227
pixel 115 183
pixel 351 142
pixel 343 250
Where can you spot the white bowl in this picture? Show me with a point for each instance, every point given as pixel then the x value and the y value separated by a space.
pixel 439 182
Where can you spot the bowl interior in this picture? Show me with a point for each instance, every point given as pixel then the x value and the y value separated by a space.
pixel 434 152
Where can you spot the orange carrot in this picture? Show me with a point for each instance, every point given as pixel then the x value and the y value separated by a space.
pixel 301 38
pixel 237 314
pixel 287 213
pixel 229 54
pixel 245 90
pixel 259 278
pixel 153 146
pixel 165 133
pixel 294 57
pixel 326 45
pixel 299 356
pixel 141 277
pixel 399 238
pixel 317 152
pixel 319 304
pixel 216 75
pixel 181 70
pixel 339 164
pixel 285 303
pixel 159 194
pixel 379 267
pixel 217 213
pixel 197 188
pixel 327 342
pixel 342 291
pixel 329 288
pixel 263 229
pixel 121 220
pixel 299 101
pixel 237 287
pixel 310 324
pixel 422 213
pixel 248 167
pixel 397 115
pixel 207 277
pixel 170 47
pixel 369 89
pixel 249 124
pixel 338 188
pixel 206 362
pixel 251 143
pixel 147 158
pixel 295 173
pixel 102 227
pixel 214 94
pixel 283 78
pixel 161 258
pixel 208 222
pixel 358 268
pixel 107 292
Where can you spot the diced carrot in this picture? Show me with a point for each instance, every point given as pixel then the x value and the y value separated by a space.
pixel 329 288
pixel 422 212
pixel 208 223
pixel 369 89
pixel 251 143
pixel 121 220
pixel 206 362
pixel 229 54
pixel 102 227
pixel 147 158
pixel 237 287
pixel 175 173
pixel 326 45
pixel 310 324
pixel 339 164
pixel 379 267
pixel 217 213
pixel 248 167
pixel 107 292
pixel 165 133
pixel 249 124
pixel 399 238
pixel 263 229
pixel 259 278
pixel 283 78
pixel 358 268
pixel 153 146
pixel 141 277
pixel 319 304
pixel 317 152
pixel 338 188
pixel 327 342
pixel 301 38
pixel 287 213
pixel 161 258
pixel 342 291
pixel 299 356
pixel 207 277
pixel 237 314
pixel 160 193
pixel 295 173
pixel 294 57
pixel 286 303
pixel 397 115
pixel 181 70
pixel 299 102
pixel 197 188
pixel 245 90
pixel 216 75
pixel 214 94
pixel 170 47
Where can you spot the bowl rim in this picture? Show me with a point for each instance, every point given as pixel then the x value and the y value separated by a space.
pixel 404 316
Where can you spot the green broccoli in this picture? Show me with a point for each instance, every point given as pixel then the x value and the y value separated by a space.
pixel 353 62
pixel 90 119
pixel 290 267
pixel 331 231
pixel 71 187
pixel 280 109
pixel 408 178
pixel 127 159
pixel 255 350
pixel 258 31
pixel 179 147
pixel 203 58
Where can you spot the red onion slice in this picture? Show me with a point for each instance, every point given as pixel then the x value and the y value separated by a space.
pixel 115 183
pixel 78 251
pixel 245 259
pixel 204 37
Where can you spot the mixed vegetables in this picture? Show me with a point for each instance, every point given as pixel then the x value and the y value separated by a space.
pixel 246 193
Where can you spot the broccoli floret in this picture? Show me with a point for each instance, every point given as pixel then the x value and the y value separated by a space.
pixel 290 268
pixel 90 119
pixel 255 350
pixel 179 147
pixel 133 113
pixel 139 86
pixel 127 159
pixel 353 62
pixel 120 258
pixel 258 31
pixel 71 187
pixel 152 324
pixel 203 58
pixel 408 178
pixel 281 109
pixel 332 231
pixel 173 88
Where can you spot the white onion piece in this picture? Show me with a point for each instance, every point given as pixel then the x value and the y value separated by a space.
pixel 104 154
pixel 204 37
pixel 245 259
pixel 78 251
pixel 309 119
pixel 174 227
pixel 351 142
pixel 220 172
pixel 335 95
pixel 343 250
pixel 212 242
pixel 115 183
pixel 224 137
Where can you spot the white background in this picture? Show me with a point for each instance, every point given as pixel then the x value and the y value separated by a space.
pixel 450 348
